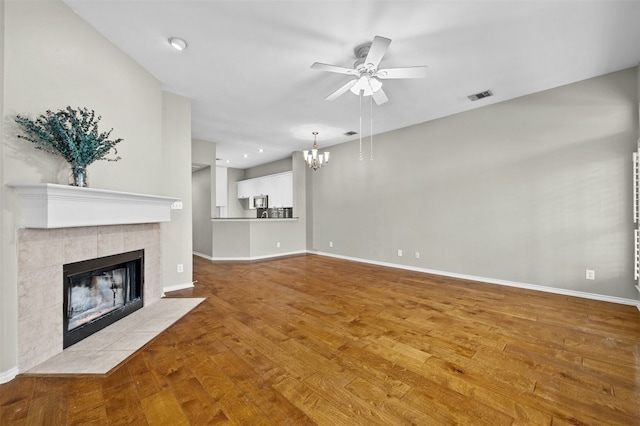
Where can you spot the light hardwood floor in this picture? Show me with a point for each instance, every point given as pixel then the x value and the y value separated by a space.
pixel 315 340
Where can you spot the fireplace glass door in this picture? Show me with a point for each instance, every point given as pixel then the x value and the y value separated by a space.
pixel 93 296
pixel 99 292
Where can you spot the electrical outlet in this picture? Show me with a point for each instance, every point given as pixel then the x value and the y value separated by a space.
pixel 330 243
pixel 278 244
pixel 180 267
pixel 176 205
pixel 417 255
pixel 590 274
pixel 399 253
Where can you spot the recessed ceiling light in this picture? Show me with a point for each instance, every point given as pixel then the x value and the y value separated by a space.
pixel 177 43
pixel 245 155
pixel 261 150
pixel 227 161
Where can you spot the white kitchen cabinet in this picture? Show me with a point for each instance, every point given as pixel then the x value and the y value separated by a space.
pixel 275 198
pixel 282 188
pixel 278 187
pixel 261 186
pixel 221 187
pixel 286 187
pixel 245 188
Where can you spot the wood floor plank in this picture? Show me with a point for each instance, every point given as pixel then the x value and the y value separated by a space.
pixel 450 408
pixel 399 411
pixel 236 406
pixel 86 402
pixel 15 397
pixel 548 366
pixel 317 340
pixel 615 373
pixel 198 406
pixel 123 405
pixel 49 402
pixel 143 374
pixel 162 408
pixel 320 410
pixel 586 407
pixel 258 388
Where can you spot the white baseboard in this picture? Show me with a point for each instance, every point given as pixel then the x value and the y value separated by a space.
pixel 7 376
pixel 267 256
pixel 176 287
pixel 584 295
pixel 202 255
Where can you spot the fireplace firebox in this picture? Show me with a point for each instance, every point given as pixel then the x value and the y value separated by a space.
pixel 99 292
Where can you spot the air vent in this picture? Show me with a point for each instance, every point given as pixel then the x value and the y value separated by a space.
pixel 351 133
pixel 481 95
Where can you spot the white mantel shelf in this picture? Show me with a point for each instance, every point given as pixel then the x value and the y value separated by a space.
pixel 48 205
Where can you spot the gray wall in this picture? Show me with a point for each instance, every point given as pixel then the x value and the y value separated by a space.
pixel 235 207
pixel 279 166
pixel 204 197
pixel 52 58
pixel 202 226
pixel 176 182
pixel 534 190
pixel 231 239
pixel 8 307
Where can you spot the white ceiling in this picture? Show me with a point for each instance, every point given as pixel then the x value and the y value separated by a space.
pixel 247 65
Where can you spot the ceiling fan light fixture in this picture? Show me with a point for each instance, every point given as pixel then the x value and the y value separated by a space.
pixel 367 75
pixel 363 85
pixel 375 84
pixel 177 43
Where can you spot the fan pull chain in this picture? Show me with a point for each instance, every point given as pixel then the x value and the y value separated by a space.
pixel 371 124
pixel 360 93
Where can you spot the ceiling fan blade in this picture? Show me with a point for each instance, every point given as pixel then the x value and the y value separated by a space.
pixel 407 72
pixel 333 68
pixel 380 97
pixel 376 51
pixel 341 90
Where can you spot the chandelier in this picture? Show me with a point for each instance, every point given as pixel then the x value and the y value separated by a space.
pixel 313 159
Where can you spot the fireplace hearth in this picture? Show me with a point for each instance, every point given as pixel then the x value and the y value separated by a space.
pixel 99 292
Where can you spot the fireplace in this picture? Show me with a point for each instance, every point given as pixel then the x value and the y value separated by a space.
pixel 99 292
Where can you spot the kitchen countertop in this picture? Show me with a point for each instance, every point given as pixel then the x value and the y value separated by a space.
pixel 255 219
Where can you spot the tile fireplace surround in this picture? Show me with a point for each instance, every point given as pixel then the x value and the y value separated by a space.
pixel 41 254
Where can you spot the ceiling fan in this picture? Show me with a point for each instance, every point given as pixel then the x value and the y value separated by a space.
pixel 367 75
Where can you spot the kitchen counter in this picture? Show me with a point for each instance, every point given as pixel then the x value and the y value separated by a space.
pixel 247 238
pixel 254 219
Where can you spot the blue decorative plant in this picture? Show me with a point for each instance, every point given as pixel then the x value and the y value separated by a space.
pixel 73 135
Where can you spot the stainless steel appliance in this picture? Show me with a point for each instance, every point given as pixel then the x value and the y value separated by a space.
pixel 275 213
pixel 260 201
